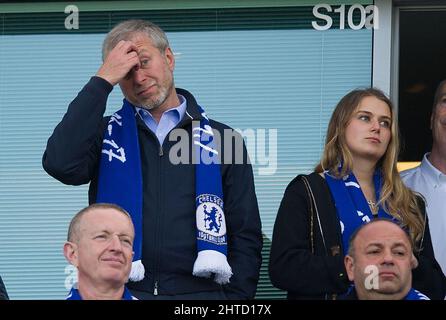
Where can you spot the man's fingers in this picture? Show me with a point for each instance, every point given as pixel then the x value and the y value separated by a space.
pixel 138 63
pixel 135 63
pixel 130 46
pixel 132 58
pixel 132 55
pixel 127 46
pixel 120 44
pixel 121 60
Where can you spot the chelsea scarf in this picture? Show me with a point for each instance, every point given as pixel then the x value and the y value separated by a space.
pixel 211 224
pixel 351 205
pixel 120 182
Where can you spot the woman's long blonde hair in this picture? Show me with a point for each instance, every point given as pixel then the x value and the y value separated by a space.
pixel 395 197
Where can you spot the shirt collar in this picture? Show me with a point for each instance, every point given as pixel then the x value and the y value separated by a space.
pixel 178 112
pixel 430 171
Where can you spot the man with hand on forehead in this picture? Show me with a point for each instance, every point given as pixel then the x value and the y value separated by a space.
pixel 191 196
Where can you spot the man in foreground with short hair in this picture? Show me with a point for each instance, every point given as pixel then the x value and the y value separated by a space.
pixel 99 245
pixel 380 262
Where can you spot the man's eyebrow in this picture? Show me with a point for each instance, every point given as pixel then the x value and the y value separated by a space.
pixel 123 234
pixel 400 244
pixel 143 51
pixel 101 231
pixel 376 244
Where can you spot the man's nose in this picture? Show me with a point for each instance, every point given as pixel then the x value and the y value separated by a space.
pixel 387 257
pixel 138 75
pixel 115 244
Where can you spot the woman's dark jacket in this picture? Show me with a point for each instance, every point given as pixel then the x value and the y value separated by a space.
pixel 294 268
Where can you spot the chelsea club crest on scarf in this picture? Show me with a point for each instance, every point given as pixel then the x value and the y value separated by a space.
pixel 211 223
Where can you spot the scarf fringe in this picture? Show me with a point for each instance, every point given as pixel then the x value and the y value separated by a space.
pixel 210 262
pixel 137 272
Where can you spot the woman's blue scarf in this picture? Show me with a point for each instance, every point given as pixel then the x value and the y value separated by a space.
pixel 120 182
pixel 351 205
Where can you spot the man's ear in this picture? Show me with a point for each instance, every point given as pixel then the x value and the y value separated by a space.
pixel 350 267
pixel 70 253
pixel 170 58
pixel 413 261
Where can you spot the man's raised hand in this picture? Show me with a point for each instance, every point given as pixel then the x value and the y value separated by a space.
pixel 119 61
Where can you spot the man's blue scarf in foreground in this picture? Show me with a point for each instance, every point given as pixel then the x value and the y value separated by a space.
pixel 120 182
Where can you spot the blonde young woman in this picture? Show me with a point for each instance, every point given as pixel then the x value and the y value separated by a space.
pixel 355 181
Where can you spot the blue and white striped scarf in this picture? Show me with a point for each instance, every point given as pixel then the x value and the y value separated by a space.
pixel 351 205
pixel 120 178
pixel 120 182
pixel 212 242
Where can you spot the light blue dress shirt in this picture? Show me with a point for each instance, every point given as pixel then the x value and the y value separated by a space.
pixel 169 119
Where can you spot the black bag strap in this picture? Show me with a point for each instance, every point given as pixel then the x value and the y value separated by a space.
pixel 313 212
pixel 311 206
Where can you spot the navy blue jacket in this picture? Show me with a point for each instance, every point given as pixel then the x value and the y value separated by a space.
pixel 169 249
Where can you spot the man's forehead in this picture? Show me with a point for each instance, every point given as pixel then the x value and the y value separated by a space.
pixel 141 40
pixel 383 232
pixel 98 217
pixel 390 241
